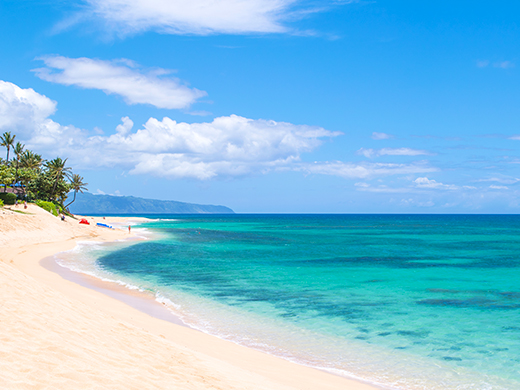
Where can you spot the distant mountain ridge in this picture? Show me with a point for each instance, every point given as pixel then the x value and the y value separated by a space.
pixel 88 203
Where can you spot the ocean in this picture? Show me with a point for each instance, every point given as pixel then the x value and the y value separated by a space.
pixel 401 301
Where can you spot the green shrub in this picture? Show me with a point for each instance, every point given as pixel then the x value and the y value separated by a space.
pixel 1 203
pixel 7 197
pixel 52 208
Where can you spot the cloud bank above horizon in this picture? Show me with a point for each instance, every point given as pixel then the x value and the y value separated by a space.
pixel 228 146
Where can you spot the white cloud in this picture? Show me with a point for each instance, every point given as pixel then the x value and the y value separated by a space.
pixel 418 185
pixel 380 136
pixel 124 128
pixel 25 113
pixel 122 78
pixel 200 17
pixel 227 146
pixel 21 110
pixel 494 187
pixel 232 138
pixel 362 171
pixel 370 153
pixel 502 180
pixel 424 182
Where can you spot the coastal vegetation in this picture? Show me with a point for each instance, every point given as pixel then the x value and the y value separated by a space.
pixel 27 176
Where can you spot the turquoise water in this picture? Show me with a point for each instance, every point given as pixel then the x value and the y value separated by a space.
pixel 408 302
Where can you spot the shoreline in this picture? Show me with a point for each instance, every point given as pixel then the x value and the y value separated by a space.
pixel 139 300
pixel 200 361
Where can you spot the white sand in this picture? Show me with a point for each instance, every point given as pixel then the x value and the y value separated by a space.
pixel 56 334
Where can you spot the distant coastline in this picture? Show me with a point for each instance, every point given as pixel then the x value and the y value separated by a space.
pixel 89 204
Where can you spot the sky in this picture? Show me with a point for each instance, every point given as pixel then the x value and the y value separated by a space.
pixel 273 106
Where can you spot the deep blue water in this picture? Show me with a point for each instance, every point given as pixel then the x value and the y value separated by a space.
pixel 409 301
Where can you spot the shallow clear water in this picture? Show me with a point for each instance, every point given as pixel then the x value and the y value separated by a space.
pixel 411 302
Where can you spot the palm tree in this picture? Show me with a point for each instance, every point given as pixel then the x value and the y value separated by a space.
pixel 57 171
pixel 30 160
pixel 7 141
pixel 77 185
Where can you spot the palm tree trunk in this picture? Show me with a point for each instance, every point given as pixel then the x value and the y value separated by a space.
pixel 75 192
pixel 16 172
pixel 54 187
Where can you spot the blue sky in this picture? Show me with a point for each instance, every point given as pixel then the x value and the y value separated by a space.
pixel 273 105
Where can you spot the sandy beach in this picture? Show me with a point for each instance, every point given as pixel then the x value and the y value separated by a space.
pixel 59 334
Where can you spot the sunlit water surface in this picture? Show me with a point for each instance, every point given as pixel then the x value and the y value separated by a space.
pixel 409 302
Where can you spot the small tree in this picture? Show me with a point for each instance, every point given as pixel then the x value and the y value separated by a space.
pixel 26 176
pixel 7 175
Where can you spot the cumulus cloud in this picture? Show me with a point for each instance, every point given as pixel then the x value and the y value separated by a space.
pixel 26 113
pixel 123 78
pixel 22 110
pixel 125 127
pixel 371 153
pixel 200 17
pixel 228 146
pixel 380 136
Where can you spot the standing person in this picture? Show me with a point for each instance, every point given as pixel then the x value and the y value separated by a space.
pixel 24 204
pixel 128 229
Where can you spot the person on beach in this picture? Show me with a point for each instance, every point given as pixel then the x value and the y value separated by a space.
pixel 24 204
pixel 128 229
